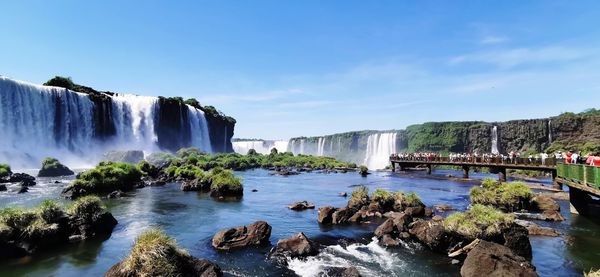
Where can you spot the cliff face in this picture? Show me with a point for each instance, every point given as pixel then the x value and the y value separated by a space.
pixel 221 133
pixel 580 132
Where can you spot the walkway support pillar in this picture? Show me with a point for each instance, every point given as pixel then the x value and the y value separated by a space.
pixel 465 170
pixel 556 184
pixel 429 169
pixel 502 174
pixel 579 201
pixel 393 167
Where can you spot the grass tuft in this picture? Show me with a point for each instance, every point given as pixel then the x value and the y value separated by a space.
pixel 478 222
pixel 155 254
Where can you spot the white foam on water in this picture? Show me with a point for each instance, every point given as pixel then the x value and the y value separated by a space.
pixel 370 260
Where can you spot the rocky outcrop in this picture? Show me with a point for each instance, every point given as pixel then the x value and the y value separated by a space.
pixel 492 259
pixel 342 272
pixel 547 206
pixel 302 205
pixel 24 179
pixel 537 230
pixel 53 168
pixel 296 246
pixel 326 215
pixel 257 233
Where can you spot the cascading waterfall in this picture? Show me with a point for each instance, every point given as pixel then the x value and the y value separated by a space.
pixel 43 121
pixel 379 148
pixel 199 129
pixel 321 146
pixel 549 131
pixel 495 140
pixel 302 146
pixel 260 146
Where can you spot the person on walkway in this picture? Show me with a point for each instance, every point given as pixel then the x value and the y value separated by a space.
pixel 574 157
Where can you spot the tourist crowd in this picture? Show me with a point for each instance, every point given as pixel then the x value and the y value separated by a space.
pixel 513 157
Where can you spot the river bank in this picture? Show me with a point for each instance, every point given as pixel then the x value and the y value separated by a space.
pixel 192 219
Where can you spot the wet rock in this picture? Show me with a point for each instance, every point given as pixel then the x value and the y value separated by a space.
pixel 359 216
pixel 389 241
pixel 24 180
pixel 298 246
pixel 193 185
pixel 516 237
pixel 443 208
pixel 254 190
pixel 23 189
pixel 552 216
pixel 53 168
pixel 536 230
pixel 543 203
pixel 3 187
pixel 257 233
pixel 326 215
pixel 429 232
pixel 342 215
pixel 386 228
pixel 428 212
pixel 115 194
pixel 492 259
pixel 344 194
pixel 416 211
pixel 343 272
pixel 302 205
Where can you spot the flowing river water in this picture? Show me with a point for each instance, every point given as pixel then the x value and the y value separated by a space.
pixel 193 218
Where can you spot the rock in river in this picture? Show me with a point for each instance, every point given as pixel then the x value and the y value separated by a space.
pixel 257 233
pixel 302 205
pixel 492 259
pixel 296 246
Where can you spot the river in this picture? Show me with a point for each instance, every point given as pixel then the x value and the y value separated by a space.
pixel 193 218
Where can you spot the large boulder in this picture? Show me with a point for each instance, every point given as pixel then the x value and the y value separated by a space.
pixel 343 272
pixel 342 215
pixel 302 205
pixel 547 206
pixel 516 237
pixel 430 232
pixel 257 233
pixel 326 215
pixel 296 246
pixel 495 260
pixel 537 230
pixel 24 179
pixel 51 167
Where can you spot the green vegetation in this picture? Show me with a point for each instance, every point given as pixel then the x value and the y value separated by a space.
pixel 363 170
pixel 51 167
pixel 108 177
pixel 147 168
pixel 585 148
pixel 506 196
pixel 360 193
pixel 412 200
pixel 186 172
pixel 86 208
pixel 489 183
pixel 67 82
pixel 224 181
pixel 478 222
pixel 5 170
pixel 383 197
pixel 155 254
pixel 438 136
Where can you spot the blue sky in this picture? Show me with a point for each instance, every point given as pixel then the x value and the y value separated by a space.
pixel 292 68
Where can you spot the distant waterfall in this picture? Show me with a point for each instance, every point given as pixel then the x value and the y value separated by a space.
pixel 260 146
pixel 379 148
pixel 549 131
pixel 495 140
pixel 41 121
pixel 321 146
pixel 302 146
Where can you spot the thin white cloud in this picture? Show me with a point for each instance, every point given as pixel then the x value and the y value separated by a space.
pixel 493 40
pixel 508 58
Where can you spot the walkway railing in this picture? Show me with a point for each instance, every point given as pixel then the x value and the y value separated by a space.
pixel 548 162
pixel 583 174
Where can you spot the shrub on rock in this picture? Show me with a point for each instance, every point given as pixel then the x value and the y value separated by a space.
pixel 479 221
pixel 363 171
pixel 5 170
pixel 104 178
pixel 89 218
pixel 51 167
pixel 156 254
pixel 507 196
pixel 224 183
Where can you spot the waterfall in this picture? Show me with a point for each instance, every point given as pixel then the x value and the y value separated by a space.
pixel 321 146
pixel 302 146
pixel 495 140
pixel 199 130
pixel 43 121
pixel 260 146
pixel 379 148
pixel 549 132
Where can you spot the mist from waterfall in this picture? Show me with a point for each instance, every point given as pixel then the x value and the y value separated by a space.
pixel 379 148
pixel 495 140
pixel 260 146
pixel 44 121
